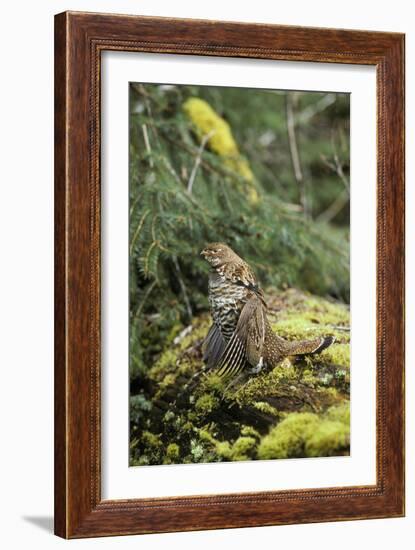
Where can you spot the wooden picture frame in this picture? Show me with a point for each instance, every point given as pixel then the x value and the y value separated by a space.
pixel 79 40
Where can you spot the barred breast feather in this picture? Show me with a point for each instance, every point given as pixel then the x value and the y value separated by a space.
pixel 226 301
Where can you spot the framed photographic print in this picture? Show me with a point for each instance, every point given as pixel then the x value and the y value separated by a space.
pixel 229 217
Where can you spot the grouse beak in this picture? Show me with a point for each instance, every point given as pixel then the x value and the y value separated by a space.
pixel 203 253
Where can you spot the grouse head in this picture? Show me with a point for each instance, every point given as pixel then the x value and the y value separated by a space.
pixel 219 254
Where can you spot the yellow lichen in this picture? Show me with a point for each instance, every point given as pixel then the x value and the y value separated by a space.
pixel 213 128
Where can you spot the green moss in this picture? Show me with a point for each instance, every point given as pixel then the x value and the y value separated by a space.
pixel 173 451
pixel 206 403
pixel 250 432
pixel 175 361
pixel 143 460
pixel 309 435
pixel 213 382
pixel 299 408
pixel 341 413
pixel 168 380
pixel 224 450
pixel 169 416
pixel 330 438
pixel 266 408
pixel 288 438
pixel 328 312
pixel 243 448
pixel 337 354
pixel 296 326
pixel 198 332
pixel 151 449
pixel 285 381
pixel 206 437
pixel 165 364
pixel 306 316
pixel 187 427
pixel 151 440
pixel 267 384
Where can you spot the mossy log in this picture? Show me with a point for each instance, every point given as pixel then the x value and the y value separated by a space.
pixel 298 409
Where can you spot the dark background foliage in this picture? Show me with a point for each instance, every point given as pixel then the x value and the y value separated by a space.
pixel 295 235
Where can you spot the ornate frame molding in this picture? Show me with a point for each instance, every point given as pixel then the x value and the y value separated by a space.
pixel 79 40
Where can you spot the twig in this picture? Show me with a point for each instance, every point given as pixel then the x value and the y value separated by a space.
pixel 193 152
pixel 335 207
pixel 317 107
pixel 337 168
pixel 147 258
pixel 146 295
pixel 182 334
pixel 147 144
pixel 137 231
pixel 338 165
pixel 171 169
pixel 291 207
pixel 139 88
pixel 340 173
pixel 183 288
pixel 146 98
pixel 197 161
pixel 135 202
pixel 221 170
pixel 224 172
pixel 295 157
pixel 342 199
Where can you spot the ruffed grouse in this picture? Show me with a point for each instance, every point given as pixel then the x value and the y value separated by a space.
pixel 241 338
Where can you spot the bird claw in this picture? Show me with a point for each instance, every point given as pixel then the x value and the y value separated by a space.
pixel 258 368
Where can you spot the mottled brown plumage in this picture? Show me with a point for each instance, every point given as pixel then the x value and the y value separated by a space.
pixel 241 338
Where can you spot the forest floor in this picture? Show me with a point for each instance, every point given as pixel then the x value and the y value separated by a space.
pixel 301 408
